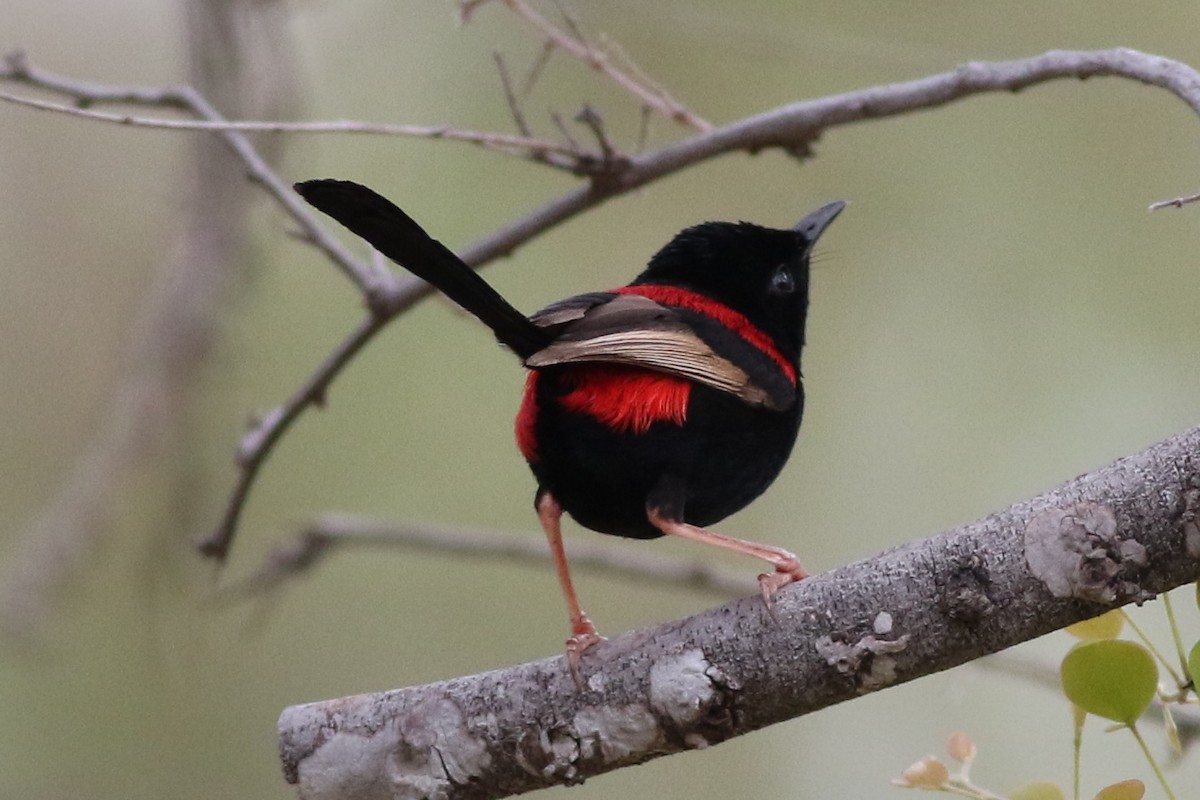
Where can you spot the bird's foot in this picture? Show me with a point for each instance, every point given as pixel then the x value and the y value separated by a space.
pixel 787 570
pixel 583 636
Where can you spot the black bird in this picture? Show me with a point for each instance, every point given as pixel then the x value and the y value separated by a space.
pixel 654 409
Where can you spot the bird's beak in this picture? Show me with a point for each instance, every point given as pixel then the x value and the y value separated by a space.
pixel 812 226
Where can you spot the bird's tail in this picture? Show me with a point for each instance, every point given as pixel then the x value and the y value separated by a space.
pixel 393 233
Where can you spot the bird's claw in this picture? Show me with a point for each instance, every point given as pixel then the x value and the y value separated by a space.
pixel 787 571
pixel 583 636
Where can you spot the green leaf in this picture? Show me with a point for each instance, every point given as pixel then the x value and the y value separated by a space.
pixel 1110 678
pixel 1106 626
pixel 1194 665
pixel 1040 790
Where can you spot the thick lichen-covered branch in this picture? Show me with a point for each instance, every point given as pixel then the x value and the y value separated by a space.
pixel 1121 534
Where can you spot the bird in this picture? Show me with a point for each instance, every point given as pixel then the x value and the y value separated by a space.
pixel 654 409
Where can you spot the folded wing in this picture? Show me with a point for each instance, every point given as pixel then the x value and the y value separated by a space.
pixel 634 330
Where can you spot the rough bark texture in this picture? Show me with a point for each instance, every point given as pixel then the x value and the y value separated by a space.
pixel 1118 535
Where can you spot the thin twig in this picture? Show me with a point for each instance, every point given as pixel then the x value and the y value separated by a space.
pixel 535 69
pixel 591 119
pixel 177 321
pixel 634 67
pixel 467 7
pixel 305 550
pixel 524 145
pixel 574 45
pixel 1178 202
pixel 259 442
pixel 510 97
pixel 643 131
pixel 575 31
pixel 17 68
pixel 562 128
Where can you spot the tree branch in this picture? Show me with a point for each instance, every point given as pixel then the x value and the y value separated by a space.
pixel 17 68
pixel 1118 535
pixel 1175 202
pixel 259 442
pixel 573 43
pixel 792 128
pixel 539 150
pixel 230 47
pixel 331 532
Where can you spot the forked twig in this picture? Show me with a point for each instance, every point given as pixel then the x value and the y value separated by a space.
pixel 17 68
pixel 591 119
pixel 573 43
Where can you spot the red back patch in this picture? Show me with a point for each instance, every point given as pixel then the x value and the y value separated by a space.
pixel 626 399
pixel 526 422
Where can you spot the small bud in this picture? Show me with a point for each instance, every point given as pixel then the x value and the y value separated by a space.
pixel 928 773
pixel 960 747
pixel 1125 790
pixel 1040 790
pixel 1106 626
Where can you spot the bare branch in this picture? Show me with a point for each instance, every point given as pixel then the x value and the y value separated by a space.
pixel 524 146
pixel 17 68
pixel 332 532
pixel 176 324
pixel 643 131
pixel 1115 536
pixel 591 119
pixel 510 97
pixel 562 128
pixel 573 44
pixel 790 128
pixel 258 443
pixel 1178 202
pixel 535 69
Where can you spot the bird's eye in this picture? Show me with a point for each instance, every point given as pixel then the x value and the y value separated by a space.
pixel 782 281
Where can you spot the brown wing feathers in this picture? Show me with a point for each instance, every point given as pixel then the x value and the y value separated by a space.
pixel 633 330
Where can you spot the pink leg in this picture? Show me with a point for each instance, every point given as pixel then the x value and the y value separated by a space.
pixel 583 632
pixel 787 567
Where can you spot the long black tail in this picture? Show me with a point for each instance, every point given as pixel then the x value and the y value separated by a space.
pixel 393 233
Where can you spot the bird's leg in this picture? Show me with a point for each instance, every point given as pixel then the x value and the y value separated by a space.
pixel 664 509
pixel 583 632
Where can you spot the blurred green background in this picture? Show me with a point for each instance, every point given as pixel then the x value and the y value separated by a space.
pixel 996 313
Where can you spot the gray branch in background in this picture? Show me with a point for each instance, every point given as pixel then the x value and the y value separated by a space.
pixel 337 532
pixel 238 60
pixel 1115 536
